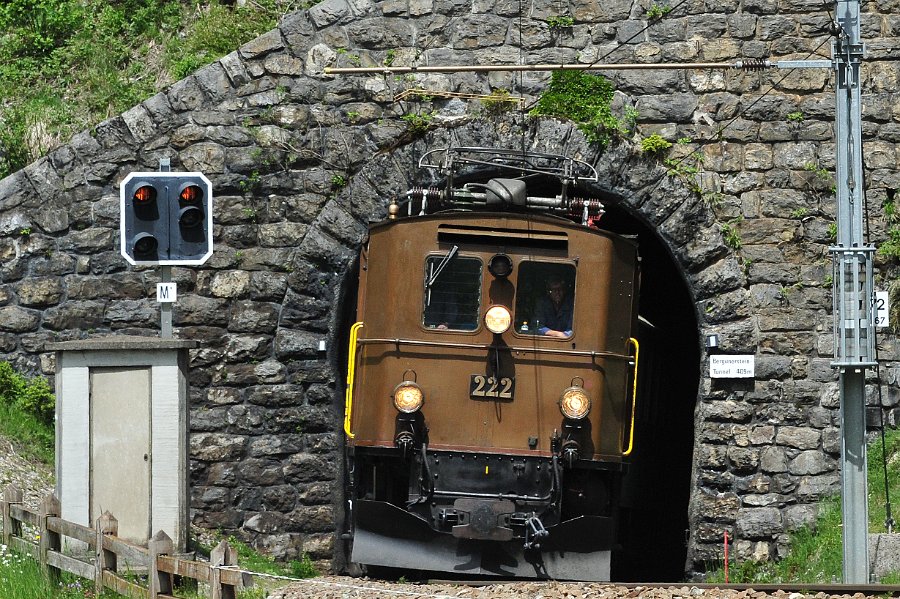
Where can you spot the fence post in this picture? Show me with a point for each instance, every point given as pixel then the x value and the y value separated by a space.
pixel 49 540
pixel 12 495
pixel 160 582
pixel 105 559
pixel 222 555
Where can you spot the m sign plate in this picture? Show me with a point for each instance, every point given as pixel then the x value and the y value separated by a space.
pixel 166 293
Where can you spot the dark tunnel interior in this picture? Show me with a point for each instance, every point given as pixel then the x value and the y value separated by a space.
pixel 657 487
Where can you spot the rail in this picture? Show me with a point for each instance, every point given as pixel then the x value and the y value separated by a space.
pixel 107 549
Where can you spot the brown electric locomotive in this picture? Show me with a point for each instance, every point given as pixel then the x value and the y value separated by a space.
pixel 492 375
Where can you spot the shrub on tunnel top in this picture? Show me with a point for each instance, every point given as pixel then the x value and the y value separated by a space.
pixel 584 99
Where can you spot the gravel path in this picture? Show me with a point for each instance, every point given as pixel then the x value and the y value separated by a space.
pixel 335 587
pixel 34 478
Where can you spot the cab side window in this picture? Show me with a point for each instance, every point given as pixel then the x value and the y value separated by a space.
pixel 452 293
pixel 545 299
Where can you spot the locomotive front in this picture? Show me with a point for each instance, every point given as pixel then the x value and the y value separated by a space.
pixel 490 396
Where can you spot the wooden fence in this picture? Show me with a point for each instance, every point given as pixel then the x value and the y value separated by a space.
pixel 220 572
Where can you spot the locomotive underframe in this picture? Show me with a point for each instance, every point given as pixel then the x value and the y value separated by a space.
pixel 484 514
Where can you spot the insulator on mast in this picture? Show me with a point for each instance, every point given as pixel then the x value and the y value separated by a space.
pixel 753 64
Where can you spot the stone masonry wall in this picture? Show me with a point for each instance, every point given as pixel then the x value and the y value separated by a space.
pixel 300 162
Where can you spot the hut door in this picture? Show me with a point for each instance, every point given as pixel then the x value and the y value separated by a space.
pixel 120 448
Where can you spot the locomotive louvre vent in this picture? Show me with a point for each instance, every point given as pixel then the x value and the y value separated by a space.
pixel 520 238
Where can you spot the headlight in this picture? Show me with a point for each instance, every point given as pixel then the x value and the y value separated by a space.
pixel 575 403
pixel 497 319
pixel 408 397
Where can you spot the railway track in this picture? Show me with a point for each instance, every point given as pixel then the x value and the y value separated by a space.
pixel 881 590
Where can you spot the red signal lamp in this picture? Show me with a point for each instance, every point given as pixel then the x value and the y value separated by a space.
pixel 144 195
pixel 190 194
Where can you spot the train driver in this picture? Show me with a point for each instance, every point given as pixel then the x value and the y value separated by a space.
pixel 555 310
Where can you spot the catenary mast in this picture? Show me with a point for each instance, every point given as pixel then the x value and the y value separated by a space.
pixel 853 291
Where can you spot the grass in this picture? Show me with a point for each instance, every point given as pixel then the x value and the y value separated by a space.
pixel 27 408
pixel 816 556
pixel 21 578
pixel 252 560
pixel 66 65
pixel 33 438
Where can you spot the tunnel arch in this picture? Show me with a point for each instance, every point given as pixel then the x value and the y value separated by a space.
pixel 684 261
pixel 273 132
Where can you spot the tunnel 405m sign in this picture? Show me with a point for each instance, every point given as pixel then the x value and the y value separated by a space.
pixel 731 367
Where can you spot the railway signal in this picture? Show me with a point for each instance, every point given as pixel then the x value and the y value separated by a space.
pixel 166 218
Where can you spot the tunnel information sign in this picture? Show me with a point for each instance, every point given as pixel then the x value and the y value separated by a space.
pixel 731 367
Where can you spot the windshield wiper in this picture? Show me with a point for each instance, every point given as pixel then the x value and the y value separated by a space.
pixel 440 267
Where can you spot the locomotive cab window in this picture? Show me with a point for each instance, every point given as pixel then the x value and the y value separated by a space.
pixel 545 299
pixel 452 292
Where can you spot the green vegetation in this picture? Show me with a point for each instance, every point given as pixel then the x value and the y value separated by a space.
pixel 353 59
pixel 66 65
pixel 560 22
pixel 786 290
pixel 818 171
pixel 687 168
pixel 822 177
pixel 21 577
pixel 658 11
pixel 795 117
pixel 250 183
pixel 418 122
pixel 498 102
pixel 27 408
pixel 584 99
pixel 731 234
pixel 249 559
pixel 686 165
pixel 890 247
pixel 655 145
pixel 816 554
pixel 338 181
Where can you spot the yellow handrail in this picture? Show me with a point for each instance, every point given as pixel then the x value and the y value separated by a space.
pixel 637 351
pixel 351 375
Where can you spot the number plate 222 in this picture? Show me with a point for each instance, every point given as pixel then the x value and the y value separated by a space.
pixel 488 387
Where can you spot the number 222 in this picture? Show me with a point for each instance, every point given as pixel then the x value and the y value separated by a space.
pixel 487 387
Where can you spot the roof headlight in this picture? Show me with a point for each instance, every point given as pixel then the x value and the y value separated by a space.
pixel 575 403
pixel 497 319
pixel 408 397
